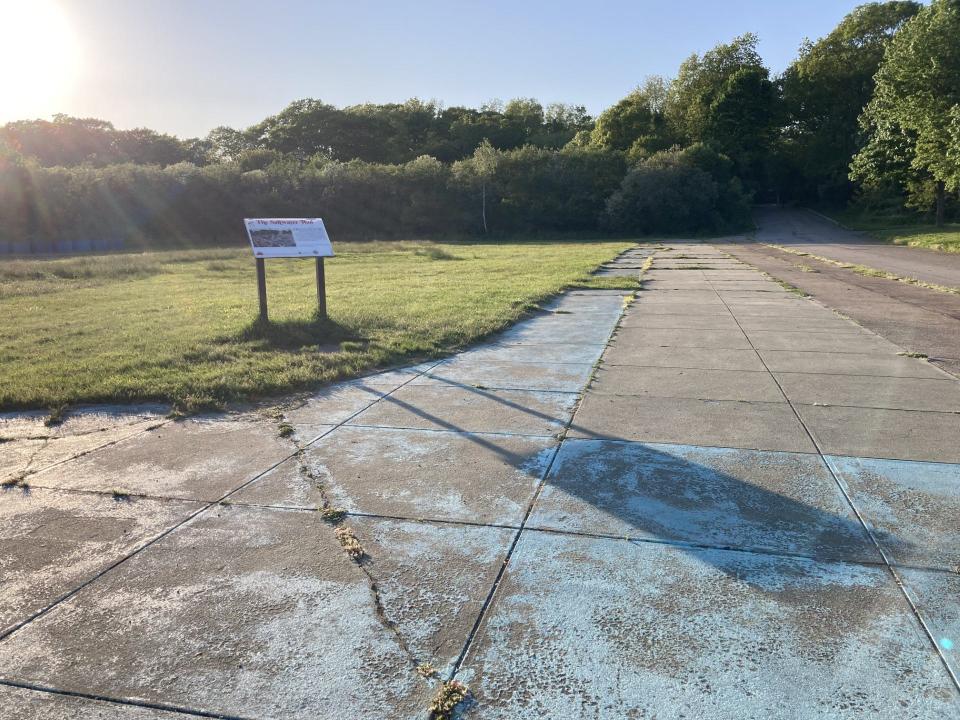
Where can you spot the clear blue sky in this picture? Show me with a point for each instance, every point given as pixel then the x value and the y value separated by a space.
pixel 185 66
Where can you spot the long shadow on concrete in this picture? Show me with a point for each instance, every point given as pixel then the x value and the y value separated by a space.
pixel 755 501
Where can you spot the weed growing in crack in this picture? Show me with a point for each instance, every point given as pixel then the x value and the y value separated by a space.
pixel 332 514
pixel 285 429
pixel 869 271
pixel 56 417
pixel 350 543
pixel 426 670
pixel 119 495
pixel 791 288
pixel 449 695
pixel 917 355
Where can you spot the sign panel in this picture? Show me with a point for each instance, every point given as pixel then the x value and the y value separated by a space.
pixel 288 237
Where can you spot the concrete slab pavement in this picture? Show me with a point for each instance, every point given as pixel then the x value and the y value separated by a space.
pixel 358 471
pixel 259 613
pixel 706 531
pixel 592 627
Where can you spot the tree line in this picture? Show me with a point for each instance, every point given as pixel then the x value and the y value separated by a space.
pixel 868 115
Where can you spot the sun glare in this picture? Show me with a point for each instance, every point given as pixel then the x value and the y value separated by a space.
pixel 39 57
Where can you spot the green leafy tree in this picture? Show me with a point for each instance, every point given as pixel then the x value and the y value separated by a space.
pixel 742 121
pixel 916 105
pixel 725 98
pixel 485 160
pixel 824 91
pixel 637 123
pixel 702 79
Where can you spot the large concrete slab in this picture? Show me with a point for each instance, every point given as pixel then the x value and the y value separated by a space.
pixel 562 377
pixel 680 283
pixel 912 506
pixel 678 296
pixel 383 381
pixel 407 473
pixel 193 459
pixel 894 434
pixel 337 403
pixel 826 324
pixel 598 303
pixel 28 444
pixel 616 629
pixel 730 339
pixel 697 264
pixel 757 426
pixel 538 354
pixel 785 309
pixel 791 361
pixel 862 342
pixel 745 499
pixel 682 308
pixel 686 383
pixel 673 275
pixel 51 542
pixel 23 704
pixel 735 275
pixel 260 613
pixel 461 409
pixel 683 357
pixel 636 318
pixel 895 393
pixel 562 329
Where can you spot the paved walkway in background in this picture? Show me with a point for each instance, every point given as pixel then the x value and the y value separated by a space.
pixel 803 230
pixel 750 513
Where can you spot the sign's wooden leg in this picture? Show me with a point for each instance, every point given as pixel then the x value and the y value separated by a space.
pixel 262 289
pixel 321 289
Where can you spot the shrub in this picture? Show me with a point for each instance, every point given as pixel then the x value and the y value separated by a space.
pixel 673 191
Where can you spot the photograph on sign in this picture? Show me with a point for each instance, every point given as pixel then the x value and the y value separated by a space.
pixel 272 238
pixel 288 237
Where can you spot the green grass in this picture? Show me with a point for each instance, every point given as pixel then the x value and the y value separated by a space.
pixel 180 326
pixel 900 231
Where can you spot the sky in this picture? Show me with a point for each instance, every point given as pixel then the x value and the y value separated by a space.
pixel 187 66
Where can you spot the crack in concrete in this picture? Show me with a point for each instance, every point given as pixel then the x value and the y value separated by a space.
pixel 491 595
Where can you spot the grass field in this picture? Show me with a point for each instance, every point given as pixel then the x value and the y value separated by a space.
pixel 945 239
pixel 180 326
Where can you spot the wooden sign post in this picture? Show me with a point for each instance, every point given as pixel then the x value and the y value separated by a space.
pixel 262 289
pixel 321 289
pixel 289 238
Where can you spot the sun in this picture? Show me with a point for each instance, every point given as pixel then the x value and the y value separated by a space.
pixel 39 57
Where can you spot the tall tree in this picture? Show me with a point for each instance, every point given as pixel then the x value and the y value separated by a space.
pixel 725 98
pixel 702 79
pixel 485 159
pixel 637 123
pixel 742 123
pixel 915 109
pixel 824 91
